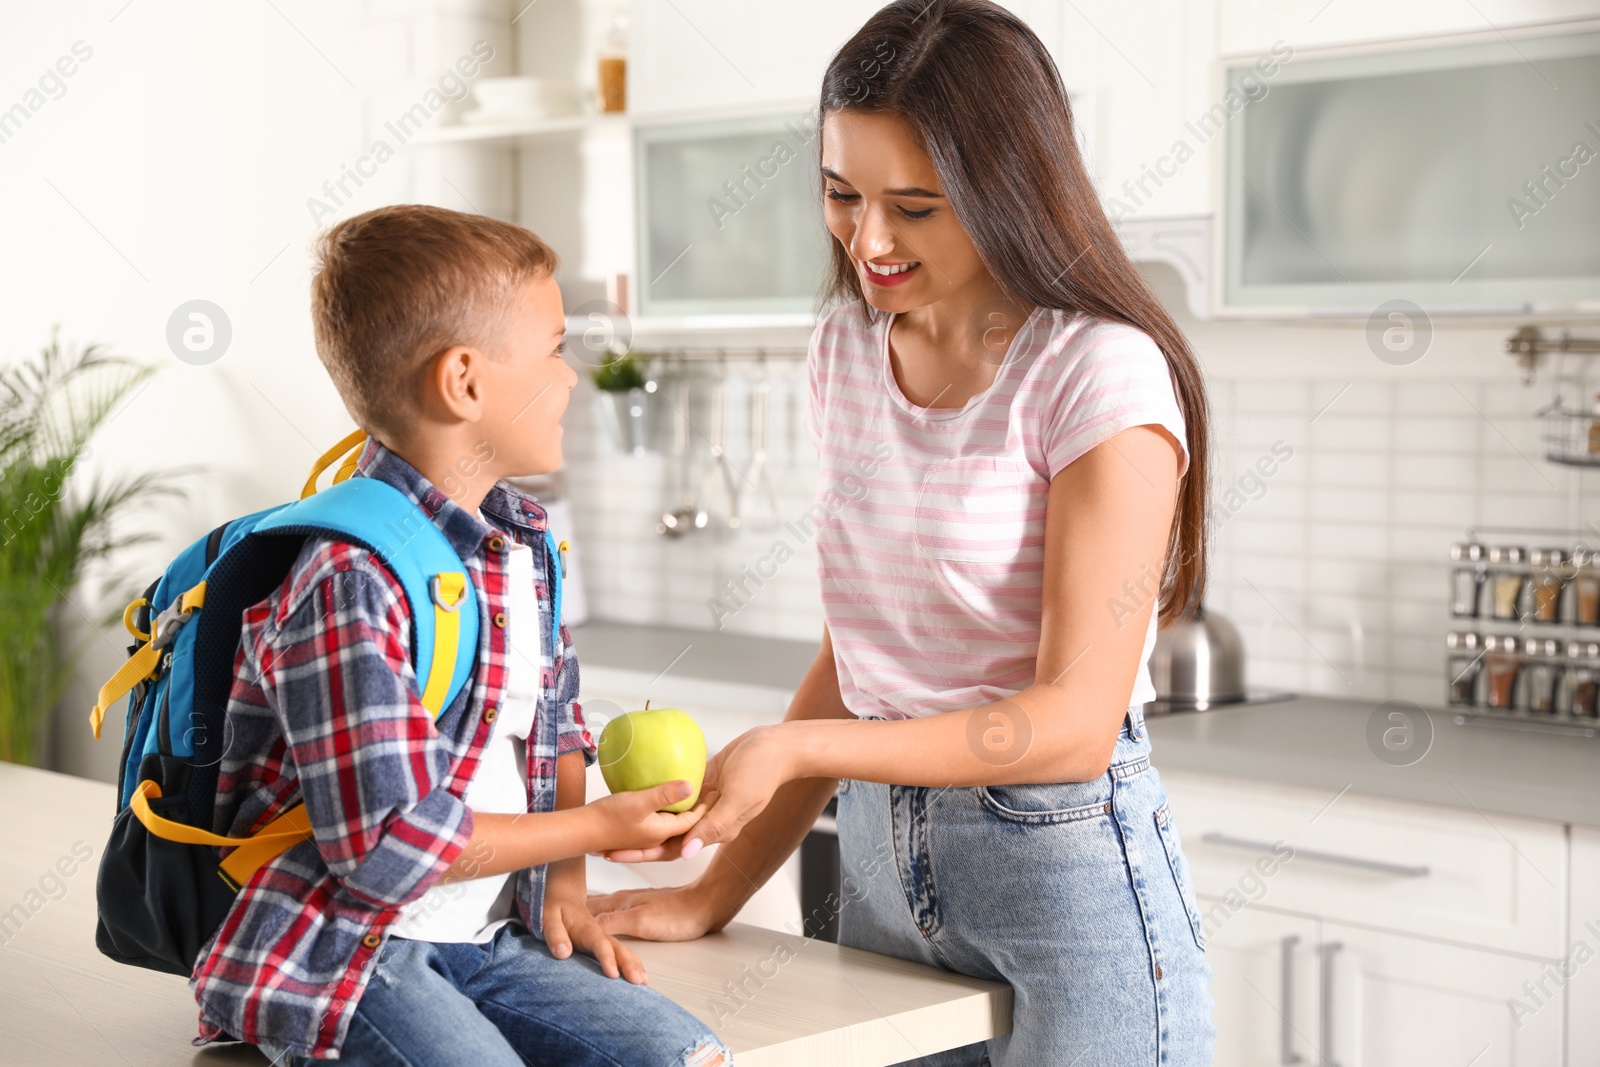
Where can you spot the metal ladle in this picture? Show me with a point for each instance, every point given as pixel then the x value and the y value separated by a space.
pixel 718 478
pixel 675 522
pixel 757 477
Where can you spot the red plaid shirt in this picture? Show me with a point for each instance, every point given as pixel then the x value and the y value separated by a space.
pixel 324 709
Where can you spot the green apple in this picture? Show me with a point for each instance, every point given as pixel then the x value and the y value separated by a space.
pixel 642 749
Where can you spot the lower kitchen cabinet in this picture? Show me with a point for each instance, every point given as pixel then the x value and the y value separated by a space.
pixel 1395 1001
pixel 1583 951
pixel 1263 983
pixel 1293 990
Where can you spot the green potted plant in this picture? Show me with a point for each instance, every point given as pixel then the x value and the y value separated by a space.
pixel 624 395
pixel 54 521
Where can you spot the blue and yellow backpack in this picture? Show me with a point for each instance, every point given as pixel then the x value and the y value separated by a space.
pixel 161 890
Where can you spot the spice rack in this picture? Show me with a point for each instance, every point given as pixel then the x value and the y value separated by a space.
pixel 1528 649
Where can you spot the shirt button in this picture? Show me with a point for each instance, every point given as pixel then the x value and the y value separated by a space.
pixel 372 940
pixel 491 713
pixel 500 619
pixel 497 542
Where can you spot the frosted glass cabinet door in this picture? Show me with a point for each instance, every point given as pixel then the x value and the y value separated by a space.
pixel 1460 177
pixel 730 216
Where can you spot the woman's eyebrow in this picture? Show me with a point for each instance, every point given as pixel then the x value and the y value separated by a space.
pixel 911 190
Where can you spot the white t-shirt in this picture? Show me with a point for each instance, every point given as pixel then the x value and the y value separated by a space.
pixel 929 522
pixel 473 909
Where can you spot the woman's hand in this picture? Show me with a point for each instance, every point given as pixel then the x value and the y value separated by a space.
pixel 632 819
pixel 676 913
pixel 569 923
pixel 742 776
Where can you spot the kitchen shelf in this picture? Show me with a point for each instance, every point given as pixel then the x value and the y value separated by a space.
pixel 506 134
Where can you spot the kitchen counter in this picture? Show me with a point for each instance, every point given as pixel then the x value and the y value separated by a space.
pixel 777 1000
pixel 1322 743
pixel 734 659
pixel 1310 741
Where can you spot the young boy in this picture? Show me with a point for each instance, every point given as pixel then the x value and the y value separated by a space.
pixel 433 918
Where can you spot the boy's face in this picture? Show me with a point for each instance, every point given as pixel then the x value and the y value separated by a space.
pixel 527 387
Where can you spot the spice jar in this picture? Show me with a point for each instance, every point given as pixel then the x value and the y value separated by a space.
pixel 1549 581
pixel 1463 663
pixel 1543 664
pixel 1502 661
pixel 1466 579
pixel 1585 570
pixel 613 65
pixel 1508 576
pixel 1583 678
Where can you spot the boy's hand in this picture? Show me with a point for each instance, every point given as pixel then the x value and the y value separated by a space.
pixel 632 820
pixel 568 923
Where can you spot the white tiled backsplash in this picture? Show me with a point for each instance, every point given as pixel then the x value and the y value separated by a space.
pixel 1334 565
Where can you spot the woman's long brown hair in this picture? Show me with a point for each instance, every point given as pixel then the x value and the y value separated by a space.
pixel 988 104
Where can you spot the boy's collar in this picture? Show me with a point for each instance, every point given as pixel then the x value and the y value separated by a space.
pixel 465 530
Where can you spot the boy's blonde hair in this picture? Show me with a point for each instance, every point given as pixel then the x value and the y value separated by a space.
pixel 398 285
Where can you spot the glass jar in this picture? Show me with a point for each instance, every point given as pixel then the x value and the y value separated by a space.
pixel 1466 579
pixel 1543 664
pixel 1508 577
pixel 1583 679
pixel 1502 662
pixel 1463 663
pixel 1585 569
pixel 613 66
pixel 1549 581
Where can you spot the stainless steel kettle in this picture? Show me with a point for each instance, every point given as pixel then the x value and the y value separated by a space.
pixel 1198 663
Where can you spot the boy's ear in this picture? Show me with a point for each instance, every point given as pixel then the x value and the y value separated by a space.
pixel 451 389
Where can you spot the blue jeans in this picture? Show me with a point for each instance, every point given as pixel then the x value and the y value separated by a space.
pixel 508 1002
pixel 1075 893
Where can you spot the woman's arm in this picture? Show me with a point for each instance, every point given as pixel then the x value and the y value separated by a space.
pixel 1106 528
pixel 743 865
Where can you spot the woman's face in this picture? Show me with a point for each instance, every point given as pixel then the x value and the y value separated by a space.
pixel 884 204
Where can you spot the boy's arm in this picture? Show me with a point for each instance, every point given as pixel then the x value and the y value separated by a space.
pixel 572 730
pixel 371 765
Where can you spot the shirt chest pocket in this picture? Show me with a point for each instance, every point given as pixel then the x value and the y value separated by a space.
pixel 980 510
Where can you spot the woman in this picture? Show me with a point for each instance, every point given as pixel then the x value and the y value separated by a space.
pixel 1013 442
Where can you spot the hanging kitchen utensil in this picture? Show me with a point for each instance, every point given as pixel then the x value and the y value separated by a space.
pixel 678 519
pixel 717 505
pixel 758 479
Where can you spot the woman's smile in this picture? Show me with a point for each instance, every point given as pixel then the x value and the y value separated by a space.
pixel 878 272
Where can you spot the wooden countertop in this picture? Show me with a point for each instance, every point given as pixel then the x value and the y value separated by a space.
pixel 61 1001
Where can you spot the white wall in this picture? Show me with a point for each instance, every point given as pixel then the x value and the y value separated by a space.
pixel 176 165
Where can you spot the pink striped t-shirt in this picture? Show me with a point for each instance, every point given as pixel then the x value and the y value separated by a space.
pixel 930 521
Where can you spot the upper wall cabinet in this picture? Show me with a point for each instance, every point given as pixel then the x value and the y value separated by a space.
pixel 724 55
pixel 1139 73
pixel 1251 26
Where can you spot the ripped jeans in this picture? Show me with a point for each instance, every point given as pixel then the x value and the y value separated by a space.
pixel 1076 893
pixel 509 1002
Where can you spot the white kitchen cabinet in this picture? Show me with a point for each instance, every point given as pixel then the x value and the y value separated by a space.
pixel 1394 1001
pixel 1583 990
pixel 715 54
pixel 1251 26
pixel 1140 76
pixel 1263 984
pixel 1487 880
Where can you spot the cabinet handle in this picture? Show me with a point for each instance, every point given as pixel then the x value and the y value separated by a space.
pixel 1398 870
pixel 1326 1025
pixel 1286 1052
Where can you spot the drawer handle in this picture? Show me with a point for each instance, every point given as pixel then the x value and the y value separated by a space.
pixel 1326 1023
pixel 1399 870
pixel 1286 1051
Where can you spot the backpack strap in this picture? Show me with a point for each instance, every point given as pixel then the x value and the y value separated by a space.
pixel 376 515
pixel 142 664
